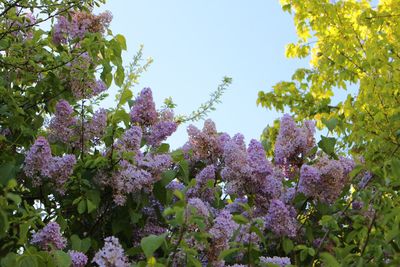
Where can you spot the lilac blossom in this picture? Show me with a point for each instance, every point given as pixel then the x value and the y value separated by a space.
pixel 112 254
pixel 49 237
pixel 130 140
pixel 280 261
pixel 258 162
pixel 78 258
pixel 154 163
pixel 96 127
pixel 129 179
pixel 61 125
pixel 223 227
pixel 332 179
pixel 60 169
pixel 160 131
pixel 280 219
pixel 175 185
pixel 205 143
pixel 202 189
pixel 200 206
pixel 98 87
pixel 309 182
pixel 143 112
pixel 37 159
pixel 80 24
pixel 293 141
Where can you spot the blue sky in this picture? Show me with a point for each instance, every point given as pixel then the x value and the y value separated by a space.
pixel 195 43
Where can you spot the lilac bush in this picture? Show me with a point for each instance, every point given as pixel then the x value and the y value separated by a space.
pixel 122 197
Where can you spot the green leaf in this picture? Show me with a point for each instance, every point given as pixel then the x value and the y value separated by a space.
pixel 163 148
pixel 240 219
pixel 227 252
pixel 331 123
pixel 125 96
pixel 10 260
pixel 327 144
pixel 14 197
pixel 82 206
pixel 151 243
pixel 23 231
pixel 119 76
pixel 28 261
pixel 78 244
pixel 3 223
pixel 329 260
pixel 121 40
pixel 62 259
pixel 8 171
pixel 287 245
pixel 90 206
pixel 395 166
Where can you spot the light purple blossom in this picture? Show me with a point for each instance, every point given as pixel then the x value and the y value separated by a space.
pixel 78 258
pixel 175 185
pixel 223 227
pixel 332 179
pixel 37 159
pixel 98 87
pixel 201 189
pixel 257 159
pixel 280 261
pixel 200 206
pixel 80 24
pixel 130 140
pixel 309 182
pixel 205 143
pixel 129 179
pixel 49 237
pixel 112 254
pixel 280 219
pixel 96 127
pixel 160 131
pixel 60 169
pixel 293 141
pixel 154 163
pixel 61 125
pixel 60 30
pixel 144 111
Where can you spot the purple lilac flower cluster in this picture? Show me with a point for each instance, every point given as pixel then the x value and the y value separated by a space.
pixel 293 141
pixel 281 219
pixel 156 126
pixel 221 232
pixel 137 171
pixel 112 254
pixel 82 86
pixel 201 208
pixel 61 125
pixel 49 237
pixel 248 171
pixel 78 258
pixel 80 24
pixel 202 189
pixel 280 261
pixel 40 164
pixel 325 179
pixel 206 144
pixel 66 128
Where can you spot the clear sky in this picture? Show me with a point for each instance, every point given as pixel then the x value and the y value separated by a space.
pixel 195 43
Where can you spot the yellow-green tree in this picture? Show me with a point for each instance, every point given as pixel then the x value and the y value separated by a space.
pixel 351 44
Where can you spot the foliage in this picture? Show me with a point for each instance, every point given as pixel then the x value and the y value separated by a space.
pixel 351 45
pixel 82 186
